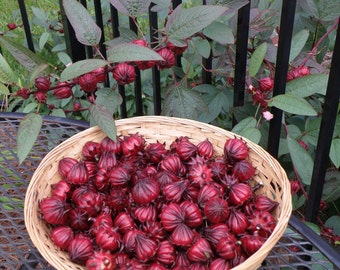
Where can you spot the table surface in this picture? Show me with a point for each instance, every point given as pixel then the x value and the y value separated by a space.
pixel 299 248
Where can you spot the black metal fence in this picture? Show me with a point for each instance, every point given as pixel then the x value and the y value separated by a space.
pixel 78 51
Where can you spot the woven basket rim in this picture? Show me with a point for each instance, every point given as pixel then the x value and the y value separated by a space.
pixel 253 261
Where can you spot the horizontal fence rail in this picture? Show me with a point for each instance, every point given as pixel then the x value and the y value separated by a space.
pixel 78 52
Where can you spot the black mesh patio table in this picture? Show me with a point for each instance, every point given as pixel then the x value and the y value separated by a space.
pixel 299 248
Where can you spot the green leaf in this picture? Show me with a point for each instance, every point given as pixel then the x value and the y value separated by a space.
pixel 334 223
pixel 256 59
pixel 4 89
pixel 43 39
pixel 24 56
pixel 219 32
pixel 298 42
pixel 183 23
pixel 181 101
pixel 312 129
pixel 81 67
pixel 123 52
pixel 202 46
pixel 28 132
pixel 335 152
pixel 301 159
pixel 331 189
pixel 131 8
pixel 87 32
pixel 6 73
pixel 109 98
pixel 103 118
pixel 30 107
pixel 247 128
pixel 308 85
pixel 58 113
pixel 64 58
pixel 292 104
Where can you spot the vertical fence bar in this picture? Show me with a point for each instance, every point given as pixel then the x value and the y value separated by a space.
pixel 281 70
pixel 26 24
pixel 156 79
pixel 137 83
pixel 329 115
pixel 207 63
pixel 99 22
pixel 241 55
pixel 75 49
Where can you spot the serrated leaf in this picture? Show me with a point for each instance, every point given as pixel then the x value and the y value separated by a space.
pixel 87 32
pixel 183 23
pixel 292 104
pixel 81 67
pixel 219 32
pixel 335 152
pixel 39 69
pixel 181 101
pixel 301 159
pixel 24 56
pixel 6 73
pixel 4 89
pixel 202 46
pixel 331 188
pixel 43 39
pixel 132 52
pixel 103 118
pixel 298 42
pixel 256 59
pixel 131 8
pixel 109 98
pixel 28 132
pixel 308 85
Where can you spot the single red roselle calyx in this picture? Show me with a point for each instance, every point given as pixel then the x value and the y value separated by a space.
pixel 103 220
pixel 216 210
pixel 129 240
pixel 192 214
pixel 264 203
pixel 182 236
pixel 91 151
pixel 208 191
pixel 243 170
pixel 171 216
pixel 172 163
pixel 78 174
pixel 117 198
pixel 200 174
pixel 54 210
pixel 165 177
pixel 79 219
pixel 101 260
pixel 61 189
pixel 119 176
pixel 185 149
pixel 173 192
pixel 166 253
pixel 11 26
pixel 266 84
pixel 88 82
pixel 101 180
pixel 181 261
pixel 146 213
pixel 42 84
pixel 237 222
pixel 154 230
pixel 227 247
pixel 145 190
pixel 41 97
pixel 65 165
pixel 132 144
pixel 169 59
pixel 24 93
pixel 124 222
pixel 251 243
pixel 215 232
pixel 295 186
pixel 108 239
pixel 146 248
pixel 205 149
pixel 239 193
pixel 100 74
pixel 91 201
pixel 235 150
pixel 124 73
pixel 219 264
pixel 155 152
pixel 262 222
pixel 110 145
pixel 62 236
pixel 122 261
pixel 62 90
pixel 107 160
pixel 140 42
pixel 200 251
pixel 80 249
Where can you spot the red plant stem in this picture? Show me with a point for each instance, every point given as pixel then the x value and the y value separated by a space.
pixel 319 42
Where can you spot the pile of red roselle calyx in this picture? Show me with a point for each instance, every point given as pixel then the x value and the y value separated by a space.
pixel 128 204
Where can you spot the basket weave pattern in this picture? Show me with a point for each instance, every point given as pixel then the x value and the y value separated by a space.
pixel 163 129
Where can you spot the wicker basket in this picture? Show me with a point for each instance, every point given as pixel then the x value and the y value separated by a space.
pixel 163 129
